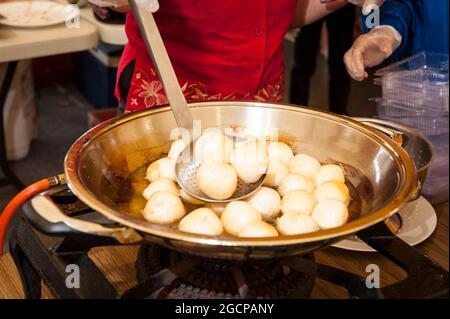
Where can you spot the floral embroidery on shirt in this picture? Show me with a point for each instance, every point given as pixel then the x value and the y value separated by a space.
pixel 197 92
pixel 151 93
pixel 147 91
pixel 270 92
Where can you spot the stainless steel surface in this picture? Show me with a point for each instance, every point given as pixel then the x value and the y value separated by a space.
pixel 381 172
pixel 394 135
pixel 418 148
pixel 414 143
pixel 47 209
pixel 157 50
pixel 395 223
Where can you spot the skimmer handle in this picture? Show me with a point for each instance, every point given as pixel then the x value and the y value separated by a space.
pixel 158 53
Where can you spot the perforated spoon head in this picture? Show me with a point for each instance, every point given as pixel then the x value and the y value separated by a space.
pixel 186 169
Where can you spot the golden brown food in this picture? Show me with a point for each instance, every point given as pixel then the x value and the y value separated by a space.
pixel 237 215
pixel 164 208
pixel 201 221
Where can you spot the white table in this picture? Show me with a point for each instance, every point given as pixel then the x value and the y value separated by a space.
pixel 22 43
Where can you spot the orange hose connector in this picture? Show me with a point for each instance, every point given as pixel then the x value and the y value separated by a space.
pixel 16 202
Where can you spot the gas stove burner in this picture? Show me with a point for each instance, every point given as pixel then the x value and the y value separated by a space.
pixel 198 277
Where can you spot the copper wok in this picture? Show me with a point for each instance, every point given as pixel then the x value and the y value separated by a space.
pixel 381 173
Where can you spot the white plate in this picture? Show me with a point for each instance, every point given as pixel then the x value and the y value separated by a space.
pixel 31 14
pixel 418 223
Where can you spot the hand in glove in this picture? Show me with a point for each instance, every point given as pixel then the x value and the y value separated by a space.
pixel 371 49
pixel 123 5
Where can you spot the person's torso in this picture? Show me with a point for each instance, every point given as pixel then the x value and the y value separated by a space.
pixel 229 46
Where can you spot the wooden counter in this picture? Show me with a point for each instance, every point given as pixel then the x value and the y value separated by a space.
pixel 118 264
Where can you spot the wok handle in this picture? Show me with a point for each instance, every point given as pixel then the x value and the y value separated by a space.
pixel 425 278
pixel 393 134
pixel 396 136
pixel 46 208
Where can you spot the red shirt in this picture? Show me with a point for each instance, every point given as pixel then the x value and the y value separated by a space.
pixel 220 50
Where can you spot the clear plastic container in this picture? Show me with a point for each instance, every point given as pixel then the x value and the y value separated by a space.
pixel 423 60
pixel 430 97
pixel 425 122
pixel 415 105
pixel 418 78
pixel 416 95
pixel 416 84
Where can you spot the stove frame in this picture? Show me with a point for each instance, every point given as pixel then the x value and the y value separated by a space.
pixel 42 251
